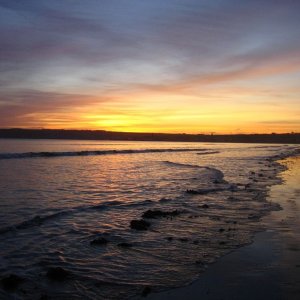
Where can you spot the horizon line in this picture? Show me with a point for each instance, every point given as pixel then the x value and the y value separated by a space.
pixel 162 133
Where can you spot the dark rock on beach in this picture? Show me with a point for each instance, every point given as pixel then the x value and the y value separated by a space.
pixel 139 224
pixel 125 245
pixel 193 192
pixel 165 199
pixel 99 241
pixel 146 291
pixel 183 239
pixel 153 214
pixel 253 217
pixel 205 206
pixel 57 274
pixel 11 282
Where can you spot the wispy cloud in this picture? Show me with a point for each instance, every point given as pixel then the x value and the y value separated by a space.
pixel 57 59
pixel 23 106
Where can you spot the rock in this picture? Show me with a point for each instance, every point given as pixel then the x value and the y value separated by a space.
pixel 125 245
pixel 218 181
pixel 11 282
pixel 99 241
pixel 205 206
pixel 153 214
pixel 195 242
pixel 139 224
pixel 183 239
pixel 57 274
pixel 221 230
pixel 146 291
pixel 169 238
pixel 165 200
pixel 193 216
pixel 193 192
pixel 23 291
pixel 233 188
pixel 253 217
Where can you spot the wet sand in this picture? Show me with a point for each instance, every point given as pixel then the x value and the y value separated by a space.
pixel 269 268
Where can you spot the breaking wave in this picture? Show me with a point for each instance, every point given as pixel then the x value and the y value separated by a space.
pixel 209 152
pixel 92 153
pixel 216 174
pixel 39 220
pixel 175 164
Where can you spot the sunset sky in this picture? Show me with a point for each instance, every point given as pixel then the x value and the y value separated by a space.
pixel 225 66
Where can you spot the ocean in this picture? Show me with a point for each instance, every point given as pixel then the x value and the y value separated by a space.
pixel 70 204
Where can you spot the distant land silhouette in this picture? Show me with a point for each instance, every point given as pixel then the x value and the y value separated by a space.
pixel 17 133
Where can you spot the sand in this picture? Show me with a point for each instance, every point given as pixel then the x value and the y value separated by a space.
pixel 269 268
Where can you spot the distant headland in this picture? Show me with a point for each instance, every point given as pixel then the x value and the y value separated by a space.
pixel 18 133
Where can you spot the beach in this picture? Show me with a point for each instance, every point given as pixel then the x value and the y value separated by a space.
pixel 269 268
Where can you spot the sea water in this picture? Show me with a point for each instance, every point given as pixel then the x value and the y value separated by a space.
pixel 57 196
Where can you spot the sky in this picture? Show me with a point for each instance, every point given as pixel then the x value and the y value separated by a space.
pixel 182 66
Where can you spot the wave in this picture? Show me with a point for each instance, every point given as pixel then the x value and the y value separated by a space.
pixel 217 175
pixel 211 152
pixel 262 147
pixel 39 220
pixel 205 191
pixel 92 153
pixel 175 164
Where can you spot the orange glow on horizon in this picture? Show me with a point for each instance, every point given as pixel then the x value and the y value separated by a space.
pixel 217 103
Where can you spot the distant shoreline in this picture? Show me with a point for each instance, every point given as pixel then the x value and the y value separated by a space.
pixel 274 138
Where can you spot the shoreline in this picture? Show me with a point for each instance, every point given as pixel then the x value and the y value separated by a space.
pixel 259 138
pixel 269 267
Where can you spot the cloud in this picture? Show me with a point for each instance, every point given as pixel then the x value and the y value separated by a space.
pixel 58 57
pixel 281 122
pixel 20 107
pixel 252 71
